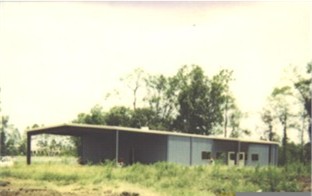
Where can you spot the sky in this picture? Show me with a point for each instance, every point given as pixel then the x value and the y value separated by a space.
pixel 58 59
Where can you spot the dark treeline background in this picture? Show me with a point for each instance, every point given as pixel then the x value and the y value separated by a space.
pixel 188 101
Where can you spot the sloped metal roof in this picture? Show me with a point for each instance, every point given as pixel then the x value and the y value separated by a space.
pixel 83 129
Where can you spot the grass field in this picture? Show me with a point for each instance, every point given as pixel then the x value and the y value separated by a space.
pixel 65 176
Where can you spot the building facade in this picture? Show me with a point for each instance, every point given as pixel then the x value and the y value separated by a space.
pixel 130 145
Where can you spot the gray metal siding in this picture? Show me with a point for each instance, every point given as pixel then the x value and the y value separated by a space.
pixel 274 155
pixel 143 148
pixel 98 147
pixel 179 149
pixel 263 153
pixel 199 145
pixel 150 148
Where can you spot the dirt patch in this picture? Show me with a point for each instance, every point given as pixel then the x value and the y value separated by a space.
pixel 47 192
pixel 6 189
pixel 28 192
pixel 306 183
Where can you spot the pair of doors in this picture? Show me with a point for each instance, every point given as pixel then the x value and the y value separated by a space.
pixel 238 158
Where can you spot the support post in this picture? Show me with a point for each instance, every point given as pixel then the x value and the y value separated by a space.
pixel 117 146
pixel 238 152
pixel 270 154
pixel 28 154
pixel 191 150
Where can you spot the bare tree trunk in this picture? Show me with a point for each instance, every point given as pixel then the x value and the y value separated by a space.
pixel 285 144
pixel 270 133
pixel 225 118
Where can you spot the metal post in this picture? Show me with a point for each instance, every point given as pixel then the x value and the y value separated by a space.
pixel 270 154
pixel 28 149
pixel 117 146
pixel 238 152
pixel 191 150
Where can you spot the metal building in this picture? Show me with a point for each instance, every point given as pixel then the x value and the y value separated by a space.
pixel 130 145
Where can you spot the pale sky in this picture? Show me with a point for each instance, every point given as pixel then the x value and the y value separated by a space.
pixel 58 59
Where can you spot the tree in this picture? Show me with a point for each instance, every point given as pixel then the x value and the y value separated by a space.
pixel 232 118
pixel 96 117
pixel 22 147
pixel 234 121
pixel 119 116
pixel 222 80
pixel 134 81
pixel 53 145
pixel 303 87
pixel 146 117
pixel 290 105
pixel 222 100
pixel 267 117
pixel 9 136
pixel 187 101
pixel 200 100
pixel 3 135
pixel 193 100
pixel 280 102
pixel 162 93
pixel 13 141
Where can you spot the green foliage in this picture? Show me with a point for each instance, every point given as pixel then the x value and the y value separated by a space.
pixel 303 86
pixel 168 178
pixel 96 117
pixel 162 93
pixel 145 117
pixel 201 100
pixel 188 101
pixel 280 109
pixel 55 145
pixel 194 103
pixel 10 138
pixel 296 154
pixel 119 116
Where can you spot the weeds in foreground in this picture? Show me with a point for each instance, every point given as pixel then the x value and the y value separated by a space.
pixel 168 178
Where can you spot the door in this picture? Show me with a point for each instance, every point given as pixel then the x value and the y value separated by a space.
pixel 231 158
pixel 241 159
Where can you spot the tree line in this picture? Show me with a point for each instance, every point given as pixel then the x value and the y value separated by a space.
pixel 289 108
pixel 192 102
pixel 189 101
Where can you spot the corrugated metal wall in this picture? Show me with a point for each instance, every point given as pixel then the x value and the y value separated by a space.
pixel 179 149
pixel 198 146
pixel 274 154
pixel 150 148
pixel 98 147
pixel 143 148
pixel 263 154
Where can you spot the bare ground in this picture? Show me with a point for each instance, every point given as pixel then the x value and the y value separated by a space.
pixel 306 183
pixel 14 188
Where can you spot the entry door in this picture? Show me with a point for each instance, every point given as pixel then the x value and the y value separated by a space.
pixel 231 158
pixel 241 159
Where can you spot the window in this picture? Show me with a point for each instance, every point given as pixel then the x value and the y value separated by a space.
pixel 254 157
pixel 206 155
pixel 232 156
pixel 220 155
pixel 241 156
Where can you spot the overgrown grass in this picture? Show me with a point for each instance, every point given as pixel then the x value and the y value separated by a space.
pixel 166 178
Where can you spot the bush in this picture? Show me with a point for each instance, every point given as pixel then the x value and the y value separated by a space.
pixel 168 178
